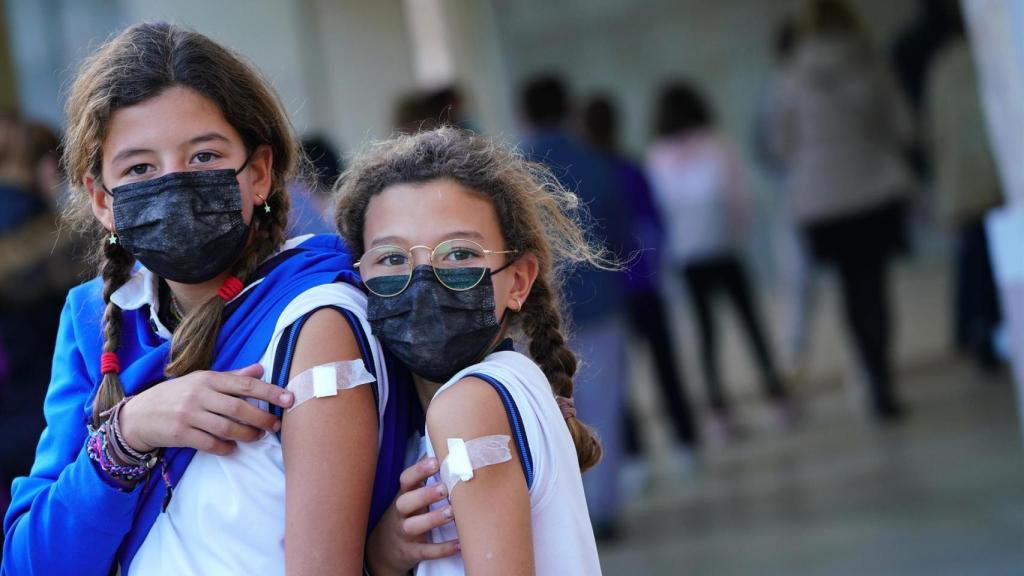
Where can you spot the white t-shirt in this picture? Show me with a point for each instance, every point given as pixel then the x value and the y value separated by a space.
pixel 227 515
pixel 563 540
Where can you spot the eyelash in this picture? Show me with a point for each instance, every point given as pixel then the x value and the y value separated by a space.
pixel 130 170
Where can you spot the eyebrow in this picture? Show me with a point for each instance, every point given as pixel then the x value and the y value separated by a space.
pixel 125 154
pixel 209 137
pixel 467 234
pixel 201 139
pixel 399 241
pixel 388 240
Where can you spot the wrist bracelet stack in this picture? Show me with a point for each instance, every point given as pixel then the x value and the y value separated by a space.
pixel 108 448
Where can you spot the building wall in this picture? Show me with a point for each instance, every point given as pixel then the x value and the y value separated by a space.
pixel 367 65
pixel 337 64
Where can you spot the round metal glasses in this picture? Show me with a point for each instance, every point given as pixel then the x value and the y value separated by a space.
pixel 458 264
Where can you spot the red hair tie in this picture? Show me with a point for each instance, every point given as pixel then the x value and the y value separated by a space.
pixel 230 288
pixel 109 363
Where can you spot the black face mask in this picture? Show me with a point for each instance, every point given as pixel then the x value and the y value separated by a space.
pixel 185 226
pixel 433 330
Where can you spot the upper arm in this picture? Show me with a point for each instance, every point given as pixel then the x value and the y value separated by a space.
pixel 330 450
pixel 492 511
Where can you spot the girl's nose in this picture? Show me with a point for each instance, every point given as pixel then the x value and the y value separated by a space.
pixel 421 255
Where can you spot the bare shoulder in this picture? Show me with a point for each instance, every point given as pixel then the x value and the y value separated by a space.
pixel 468 409
pixel 325 337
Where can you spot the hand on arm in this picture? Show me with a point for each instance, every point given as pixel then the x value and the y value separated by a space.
pixel 399 542
pixel 202 410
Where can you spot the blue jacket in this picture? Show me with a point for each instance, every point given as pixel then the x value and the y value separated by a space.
pixel 592 294
pixel 66 517
pixel 644 251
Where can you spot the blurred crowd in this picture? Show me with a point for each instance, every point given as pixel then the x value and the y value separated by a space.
pixel 858 143
pixel 855 138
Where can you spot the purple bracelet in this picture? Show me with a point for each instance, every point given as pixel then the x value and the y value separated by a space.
pixel 98 449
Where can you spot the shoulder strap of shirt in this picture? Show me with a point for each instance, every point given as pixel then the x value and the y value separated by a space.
pixel 515 422
pixel 285 352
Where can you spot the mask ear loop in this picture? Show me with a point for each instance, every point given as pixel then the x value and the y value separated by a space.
pixel 244 164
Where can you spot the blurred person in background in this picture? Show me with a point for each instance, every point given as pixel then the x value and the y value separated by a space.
pixel 595 298
pixel 790 249
pixel 408 113
pixel 916 46
pixel 698 181
pixel 841 127
pixel 310 210
pixel 446 106
pixel 648 314
pixel 420 111
pixel 966 185
pixel 38 265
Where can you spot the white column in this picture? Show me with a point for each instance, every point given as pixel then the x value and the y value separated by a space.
pixel 996 29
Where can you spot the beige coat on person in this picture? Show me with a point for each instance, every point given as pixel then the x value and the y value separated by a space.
pixel 840 125
pixel 966 181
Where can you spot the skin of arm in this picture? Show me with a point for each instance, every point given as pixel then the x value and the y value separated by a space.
pixel 330 453
pixel 492 511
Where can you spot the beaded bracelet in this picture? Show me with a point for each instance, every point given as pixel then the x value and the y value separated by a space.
pixel 98 449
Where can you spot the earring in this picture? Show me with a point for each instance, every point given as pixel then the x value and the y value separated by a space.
pixel 266 205
pixel 519 304
pixel 112 239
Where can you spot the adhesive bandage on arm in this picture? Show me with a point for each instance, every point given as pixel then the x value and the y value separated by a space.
pixel 326 380
pixel 466 456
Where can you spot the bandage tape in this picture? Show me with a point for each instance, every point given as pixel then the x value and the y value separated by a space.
pixel 327 380
pixel 465 456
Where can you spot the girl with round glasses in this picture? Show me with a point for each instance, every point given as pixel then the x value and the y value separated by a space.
pixel 461 243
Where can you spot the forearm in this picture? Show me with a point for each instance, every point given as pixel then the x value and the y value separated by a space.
pixel 72 525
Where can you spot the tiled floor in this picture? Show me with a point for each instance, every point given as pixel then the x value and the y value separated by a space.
pixel 941 494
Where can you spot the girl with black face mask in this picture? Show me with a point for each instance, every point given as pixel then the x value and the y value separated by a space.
pixel 461 243
pixel 178 153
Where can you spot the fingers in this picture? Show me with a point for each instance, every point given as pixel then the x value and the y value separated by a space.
pixel 242 411
pixel 248 387
pixel 251 371
pixel 224 428
pixel 414 476
pixel 423 552
pixel 415 526
pixel 200 440
pixel 410 503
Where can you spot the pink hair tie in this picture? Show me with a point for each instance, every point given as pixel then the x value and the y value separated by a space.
pixel 231 287
pixel 567 406
pixel 109 363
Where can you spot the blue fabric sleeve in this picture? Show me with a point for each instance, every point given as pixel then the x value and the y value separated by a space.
pixel 65 518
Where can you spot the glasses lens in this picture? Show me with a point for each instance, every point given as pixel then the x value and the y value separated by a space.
pixel 386 270
pixel 459 264
pixel 387 285
pixel 460 279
